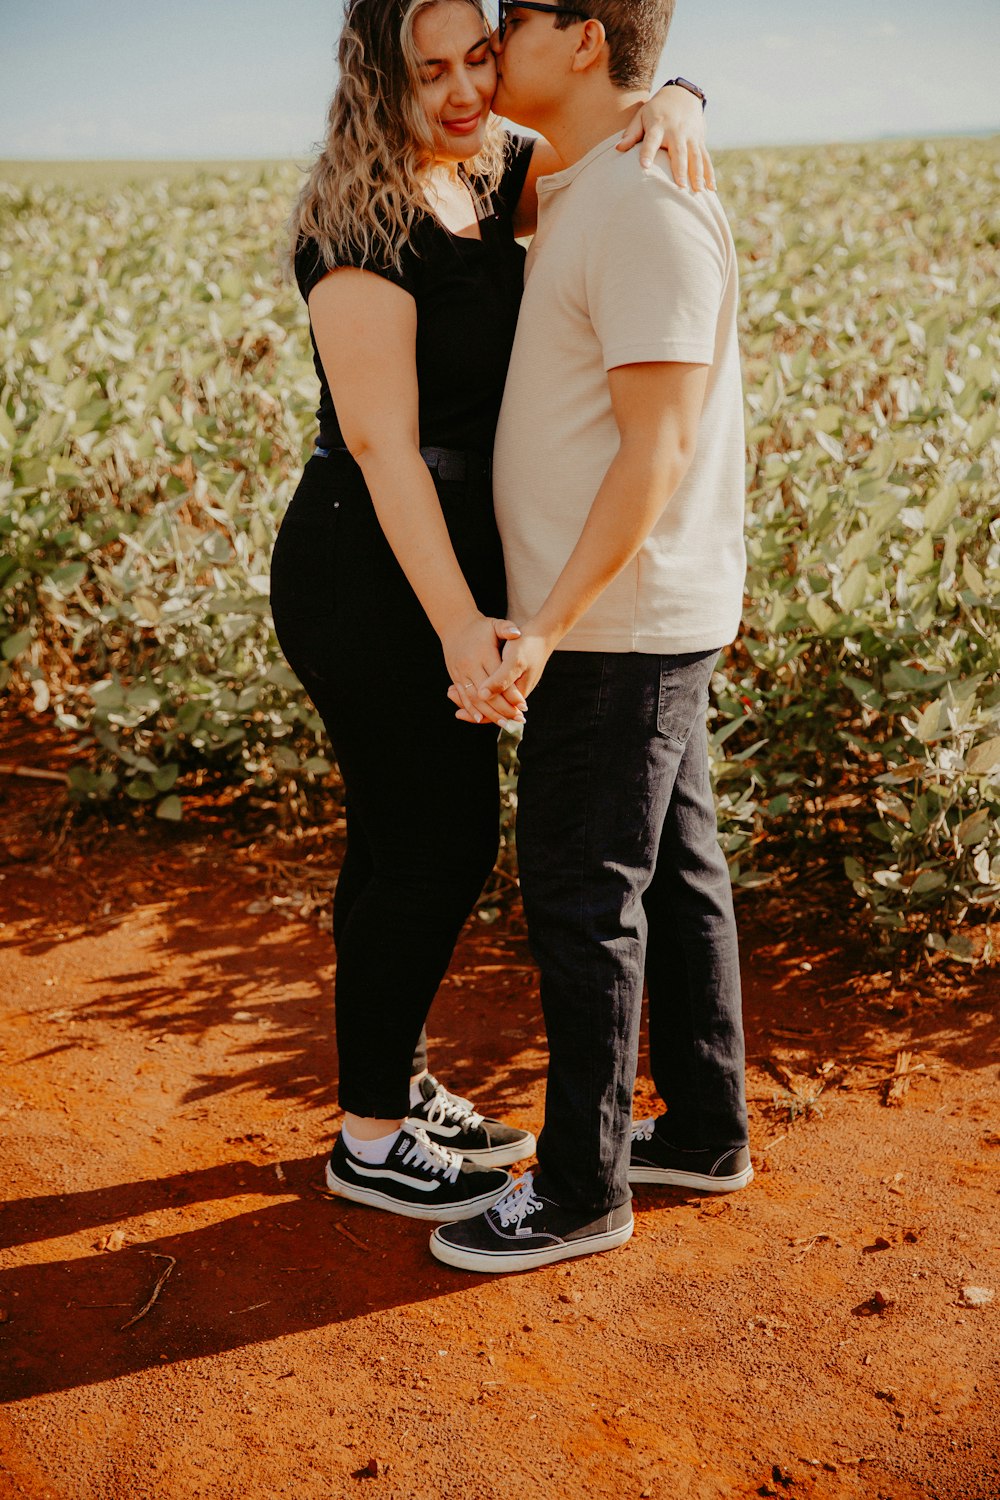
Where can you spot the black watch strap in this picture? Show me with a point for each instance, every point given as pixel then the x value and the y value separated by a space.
pixel 692 88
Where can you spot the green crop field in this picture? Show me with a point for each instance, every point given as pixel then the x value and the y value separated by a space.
pixel 115 174
pixel 157 397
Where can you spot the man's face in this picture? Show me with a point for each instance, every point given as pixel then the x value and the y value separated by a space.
pixel 533 62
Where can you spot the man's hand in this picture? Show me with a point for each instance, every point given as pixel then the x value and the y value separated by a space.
pixel 521 666
pixel 673 121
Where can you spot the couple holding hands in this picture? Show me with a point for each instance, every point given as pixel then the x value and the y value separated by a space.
pixel 557 444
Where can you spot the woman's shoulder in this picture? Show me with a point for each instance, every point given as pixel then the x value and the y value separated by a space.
pixel 312 264
pixel 309 264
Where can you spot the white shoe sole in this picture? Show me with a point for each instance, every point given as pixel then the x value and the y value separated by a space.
pixel 665 1177
pixel 442 1213
pixel 498 1261
pixel 497 1156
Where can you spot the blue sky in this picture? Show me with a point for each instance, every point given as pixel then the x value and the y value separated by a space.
pixel 230 78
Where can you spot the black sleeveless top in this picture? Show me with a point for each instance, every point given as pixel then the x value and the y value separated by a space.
pixel 467 293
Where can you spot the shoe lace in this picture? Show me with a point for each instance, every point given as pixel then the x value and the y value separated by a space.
pixel 430 1157
pixel 518 1203
pixel 446 1109
pixel 642 1130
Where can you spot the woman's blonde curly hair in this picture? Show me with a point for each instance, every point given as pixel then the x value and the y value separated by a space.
pixel 366 191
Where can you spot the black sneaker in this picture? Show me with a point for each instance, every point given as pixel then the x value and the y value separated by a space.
pixel 525 1229
pixel 653 1159
pixel 453 1122
pixel 418 1179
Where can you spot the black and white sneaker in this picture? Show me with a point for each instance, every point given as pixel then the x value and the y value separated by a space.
pixel 418 1179
pixel 525 1229
pixel 653 1159
pixel 453 1122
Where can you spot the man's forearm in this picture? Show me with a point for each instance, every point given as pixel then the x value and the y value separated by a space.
pixel 635 491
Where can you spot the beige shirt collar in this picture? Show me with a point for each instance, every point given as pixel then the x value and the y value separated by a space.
pixel 557 180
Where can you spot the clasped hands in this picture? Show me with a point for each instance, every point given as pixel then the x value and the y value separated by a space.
pixel 493 666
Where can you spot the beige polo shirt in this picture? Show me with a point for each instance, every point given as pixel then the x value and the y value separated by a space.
pixel 625 268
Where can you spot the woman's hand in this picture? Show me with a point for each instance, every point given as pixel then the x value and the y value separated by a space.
pixel 471 654
pixel 673 121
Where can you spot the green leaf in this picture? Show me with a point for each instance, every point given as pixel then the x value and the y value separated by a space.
pixel 140 789
pixel 830 418
pixel 107 694
pixel 920 559
pixel 282 677
pixel 171 809
pixel 939 511
pixel 316 765
pixel 15 644
pixel 983 759
pixel 926 881
pixel 862 545
pixel 962 949
pixel 936 330
pixel 931 721
pixel 972 828
pixel 863 692
pixel 822 616
pixel 974 580
pixel 854 588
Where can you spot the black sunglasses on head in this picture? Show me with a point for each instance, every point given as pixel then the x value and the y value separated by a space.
pixel 552 10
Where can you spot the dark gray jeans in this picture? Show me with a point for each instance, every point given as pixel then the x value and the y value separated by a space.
pixel 622 875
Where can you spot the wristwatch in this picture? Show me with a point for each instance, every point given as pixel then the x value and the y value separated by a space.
pixel 692 88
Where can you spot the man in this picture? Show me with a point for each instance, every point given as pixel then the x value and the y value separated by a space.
pixel 619 491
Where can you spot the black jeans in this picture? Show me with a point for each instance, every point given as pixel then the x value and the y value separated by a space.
pixel 422 789
pixel 621 873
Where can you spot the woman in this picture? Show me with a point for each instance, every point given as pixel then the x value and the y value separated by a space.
pixel 388 581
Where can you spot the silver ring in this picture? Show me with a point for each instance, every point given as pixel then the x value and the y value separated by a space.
pixel 471 687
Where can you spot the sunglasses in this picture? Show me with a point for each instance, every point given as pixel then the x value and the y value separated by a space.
pixel 552 10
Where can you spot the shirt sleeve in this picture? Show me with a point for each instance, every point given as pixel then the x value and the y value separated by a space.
pixel 310 267
pixel 519 149
pixel 656 276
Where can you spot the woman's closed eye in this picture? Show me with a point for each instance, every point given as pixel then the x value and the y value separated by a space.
pixel 477 58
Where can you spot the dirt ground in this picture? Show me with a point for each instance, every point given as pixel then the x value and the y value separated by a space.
pixel 168 1096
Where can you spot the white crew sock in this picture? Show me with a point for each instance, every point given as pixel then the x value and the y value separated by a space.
pixel 416 1097
pixel 373 1152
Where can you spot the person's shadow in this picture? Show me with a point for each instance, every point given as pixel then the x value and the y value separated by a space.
pixel 246 1278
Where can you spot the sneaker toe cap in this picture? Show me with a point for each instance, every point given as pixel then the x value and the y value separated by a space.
pixel 479 1181
pixel 499 1134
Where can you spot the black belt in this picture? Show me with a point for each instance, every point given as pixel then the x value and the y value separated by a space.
pixel 457 464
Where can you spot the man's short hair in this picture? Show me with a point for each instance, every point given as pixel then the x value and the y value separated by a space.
pixel 637 33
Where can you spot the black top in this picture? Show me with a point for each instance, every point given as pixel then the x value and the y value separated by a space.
pixel 467 293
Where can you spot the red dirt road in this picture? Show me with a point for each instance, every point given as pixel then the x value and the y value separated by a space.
pixel 168 1095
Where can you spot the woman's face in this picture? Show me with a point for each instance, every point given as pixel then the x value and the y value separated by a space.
pixel 457 76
